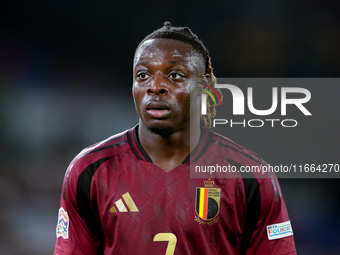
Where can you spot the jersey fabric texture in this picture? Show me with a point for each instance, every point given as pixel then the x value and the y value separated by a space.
pixel 116 201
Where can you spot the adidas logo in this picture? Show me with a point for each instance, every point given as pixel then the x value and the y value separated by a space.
pixel 121 206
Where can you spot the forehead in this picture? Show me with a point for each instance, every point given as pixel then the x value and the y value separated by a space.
pixel 160 48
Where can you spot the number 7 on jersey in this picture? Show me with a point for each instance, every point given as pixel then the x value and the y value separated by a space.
pixel 172 240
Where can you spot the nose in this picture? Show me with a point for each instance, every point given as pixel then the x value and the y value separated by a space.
pixel 158 86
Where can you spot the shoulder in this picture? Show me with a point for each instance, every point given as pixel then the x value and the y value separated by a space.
pixel 107 148
pixel 251 167
pixel 90 158
pixel 234 151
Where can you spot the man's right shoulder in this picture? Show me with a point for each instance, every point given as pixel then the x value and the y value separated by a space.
pixel 108 148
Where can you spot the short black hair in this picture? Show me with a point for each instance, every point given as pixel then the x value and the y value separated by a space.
pixel 184 34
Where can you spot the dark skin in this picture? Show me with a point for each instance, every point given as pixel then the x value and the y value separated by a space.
pixel 166 97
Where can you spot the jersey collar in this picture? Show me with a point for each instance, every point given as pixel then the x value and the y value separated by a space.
pixel 142 155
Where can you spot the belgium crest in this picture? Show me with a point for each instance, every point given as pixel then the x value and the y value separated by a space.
pixel 207 203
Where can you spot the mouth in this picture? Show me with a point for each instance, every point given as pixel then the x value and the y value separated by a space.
pixel 158 110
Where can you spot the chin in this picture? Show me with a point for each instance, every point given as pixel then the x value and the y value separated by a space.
pixel 162 131
pixel 162 128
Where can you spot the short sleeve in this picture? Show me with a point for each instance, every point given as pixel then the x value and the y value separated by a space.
pixel 73 233
pixel 270 228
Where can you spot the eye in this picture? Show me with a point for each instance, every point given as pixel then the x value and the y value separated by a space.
pixel 176 76
pixel 143 76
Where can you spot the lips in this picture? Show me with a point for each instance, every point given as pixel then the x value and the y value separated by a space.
pixel 158 110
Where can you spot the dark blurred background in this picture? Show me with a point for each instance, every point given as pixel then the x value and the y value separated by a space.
pixel 65 83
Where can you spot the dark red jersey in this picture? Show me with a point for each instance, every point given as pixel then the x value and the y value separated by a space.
pixel 116 201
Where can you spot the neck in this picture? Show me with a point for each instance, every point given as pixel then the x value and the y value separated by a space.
pixel 169 152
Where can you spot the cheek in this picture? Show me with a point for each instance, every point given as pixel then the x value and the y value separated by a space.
pixel 183 101
pixel 186 89
pixel 137 97
pixel 185 94
pixel 137 91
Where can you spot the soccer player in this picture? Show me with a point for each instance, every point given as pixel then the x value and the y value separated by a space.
pixel 132 193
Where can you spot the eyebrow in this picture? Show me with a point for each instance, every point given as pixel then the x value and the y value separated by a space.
pixel 176 62
pixel 142 62
pixel 169 62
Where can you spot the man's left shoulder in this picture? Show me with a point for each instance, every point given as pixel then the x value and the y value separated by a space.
pixel 235 151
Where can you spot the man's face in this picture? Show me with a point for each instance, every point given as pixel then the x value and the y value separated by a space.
pixel 164 88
